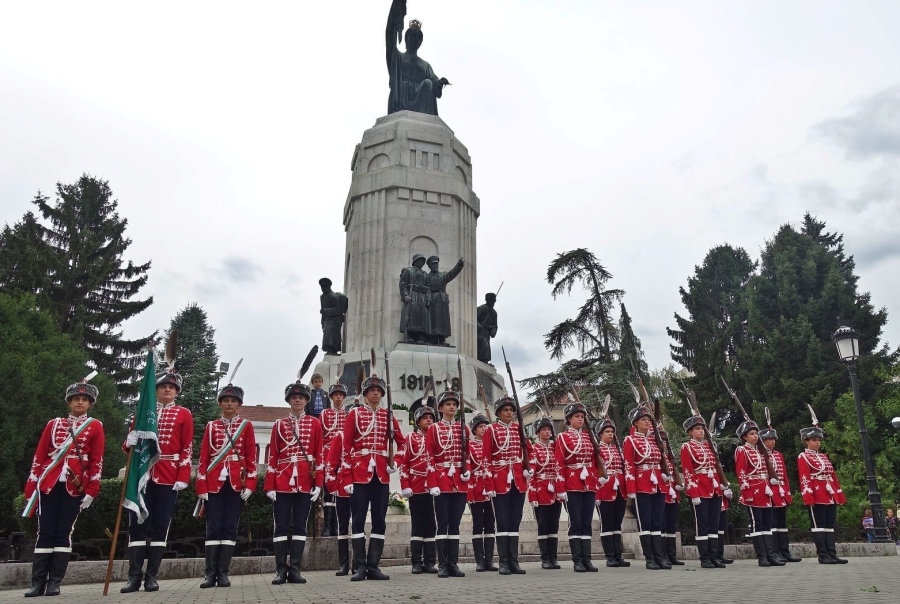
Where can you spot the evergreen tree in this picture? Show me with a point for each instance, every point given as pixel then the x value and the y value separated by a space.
pixel 708 339
pixel 84 283
pixel 197 362
pixel 788 360
pixel 37 363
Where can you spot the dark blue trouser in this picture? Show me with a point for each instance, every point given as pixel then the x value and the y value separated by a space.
pixel 56 520
pixel 290 513
pixel 611 515
pixel 508 512
pixel 223 513
pixel 547 517
pixel 421 515
pixel 760 521
pixel 371 497
pixel 650 512
pixel 706 518
pixel 581 512
pixel 482 519
pixel 160 500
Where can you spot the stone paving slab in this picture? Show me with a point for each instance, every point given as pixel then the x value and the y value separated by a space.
pixel 862 580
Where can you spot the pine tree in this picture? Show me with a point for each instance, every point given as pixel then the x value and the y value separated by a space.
pixel 84 283
pixel 197 362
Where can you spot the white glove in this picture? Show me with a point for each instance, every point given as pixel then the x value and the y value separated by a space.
pixel 203 496
pixel 86 502
pixel 528 474
pixel 434 491
pixel 490 494
pixel 314 494
pixel 728 494
pixel 631 495
pixel 665 477
pixel 773 481
pixel 604 480
pixel 245 494
pixel 562 496
pixel 679 487
pixel 534 504
pixel 272 495
pixel 391 469
pixel 348 489
pixel 465 476
pixel 407 493
pixel 131 439
pixel 695 501
pixel 179 486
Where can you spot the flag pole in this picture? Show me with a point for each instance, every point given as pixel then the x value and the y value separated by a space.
pixel 115 537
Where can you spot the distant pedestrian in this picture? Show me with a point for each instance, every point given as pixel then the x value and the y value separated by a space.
pixel 869 526
pixel 891 521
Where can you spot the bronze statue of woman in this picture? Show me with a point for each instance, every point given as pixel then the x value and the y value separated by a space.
pixel 414 86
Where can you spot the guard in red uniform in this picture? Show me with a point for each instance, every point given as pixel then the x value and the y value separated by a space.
pixel 337 477
pixel 756 493
pixel 645 483
pixel 332 419
pixel 542 492
pixel 226 477
pixel 414 465
pixel 294 481
pixel 366 437
pixel 64 479
pixel 781 494
pixel 168 476
pixel 446 443
pixel 821 492
pixel 480 505
pixel 578 483
pixel 508 482
pixel 698 464
pixel 611 497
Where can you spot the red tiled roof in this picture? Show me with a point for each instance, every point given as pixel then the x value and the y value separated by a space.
pixel 260 413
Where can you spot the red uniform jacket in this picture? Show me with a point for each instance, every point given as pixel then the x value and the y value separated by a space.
pixel 698 464
pixel 413 463
pixel 289 462
pixel 84 461
pixel 753 478
pixel 643 473
pixel 503 454
pixel 576 461
pixel 238 465
pixel 175 435
pixel 781 494
pixel 332 421
pixel 481 480
pixel 612 459
pixel 444 448
pixel 818 482
pixel 337 474
pixel 542 486
pixel 366 443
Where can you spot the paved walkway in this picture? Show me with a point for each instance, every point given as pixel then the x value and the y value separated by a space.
pixel 862 580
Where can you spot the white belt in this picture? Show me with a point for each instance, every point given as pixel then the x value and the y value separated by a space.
pixel 825 477
pixel 648 466
pixel 545 476
pixel 296 458
pixel 417 472
pixel 82 458
pixel 169 457
pixel 448 464
pixel 758 477
pixel 364 452
pixel 577 466
pixel 505 462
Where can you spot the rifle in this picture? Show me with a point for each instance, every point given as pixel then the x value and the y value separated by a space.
pixel 676 473
pixel 692 403
pixel 598 457
pixel 390 405
pixel 646 399
pixel 433 389
pixel 463 436
pixel 487 410
pixel 605 415
pixel 770 467
pixel 526 459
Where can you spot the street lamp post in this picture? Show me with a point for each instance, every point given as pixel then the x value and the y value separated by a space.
pixel 847 341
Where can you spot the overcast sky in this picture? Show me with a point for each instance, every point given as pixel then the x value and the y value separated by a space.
pixel 648 132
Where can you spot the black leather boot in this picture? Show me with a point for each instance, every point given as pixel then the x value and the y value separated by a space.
pixel 609 551
pixel 659 553
pixel 453 558
pixel 771 553
pixel 442 558
pixel 713 551
pixel 783 543
pixel 703 552
pixel 327 518
pixel 40 569
pixel 620 549
pixel 671 551
pixel 373 573
pixel 415 556
pixel 281 567
pixel 545 555
pixel 489 555
pixel 429 558
pixel 821 549
pixel 575 547
pixel 135 570
pixel 647 550
pixel 154 559
pixel 720 551
pixel 586 555
pixel 831 547
pixel 759 548
pixel 293 574
pixel 58 565
pixel 512 545
pixel 503 554
pixel 359 557
pixel 553 550
pixel 226 552
pixel 478 551
pixel 343 558
pixel 211 553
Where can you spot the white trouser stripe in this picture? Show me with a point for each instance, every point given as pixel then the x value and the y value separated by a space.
pixel 277 539
pixel 299 537
pixel 417 538
pixel 374 536
pixel 43 550
pixel 358 536
pixel 208 543
pixel 226 542
pixel 157 544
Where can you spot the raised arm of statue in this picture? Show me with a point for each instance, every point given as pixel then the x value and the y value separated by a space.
pixel 453 272
pixel 394 32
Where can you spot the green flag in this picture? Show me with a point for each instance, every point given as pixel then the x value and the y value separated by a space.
pixel 146 452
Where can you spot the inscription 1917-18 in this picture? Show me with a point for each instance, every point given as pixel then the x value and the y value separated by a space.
pixel 418 382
